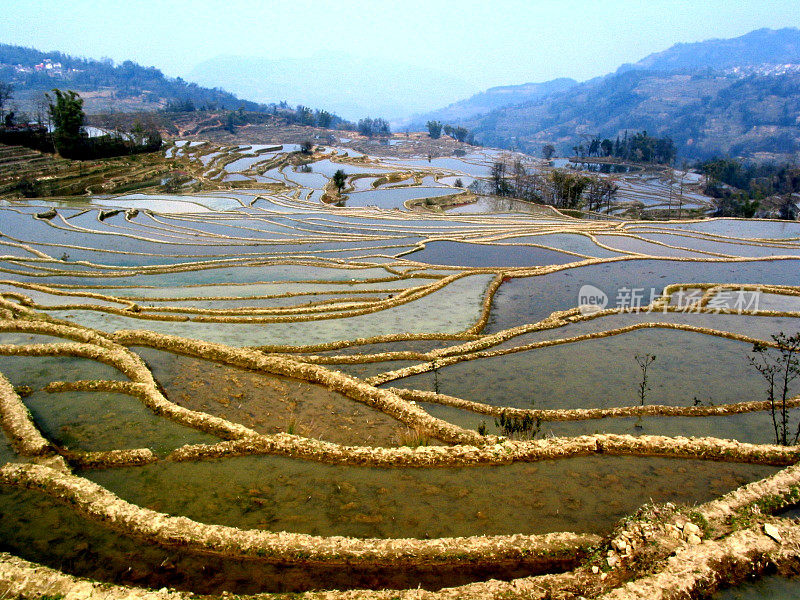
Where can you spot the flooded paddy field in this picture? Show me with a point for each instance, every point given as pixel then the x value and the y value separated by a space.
pixel 277 388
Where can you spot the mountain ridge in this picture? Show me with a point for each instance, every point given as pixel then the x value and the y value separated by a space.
pixel 738 104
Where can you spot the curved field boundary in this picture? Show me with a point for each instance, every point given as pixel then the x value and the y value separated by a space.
pixel 586 414
pixel 504 451
pixel 99 504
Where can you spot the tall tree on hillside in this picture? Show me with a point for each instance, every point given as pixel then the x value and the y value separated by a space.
pixel 339 179
pixel 66 113
pixel 434 129
pixel 6 93
pixel 548 150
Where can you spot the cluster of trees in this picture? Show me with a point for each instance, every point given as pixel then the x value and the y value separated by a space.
pixel 178 106
pixel 639 147
pixel 303 115
pixel 741 188
pixel 559 188
pixel 72 141
pixel 372 127
pixel 68 135
pixel 462 134
pixel 300 115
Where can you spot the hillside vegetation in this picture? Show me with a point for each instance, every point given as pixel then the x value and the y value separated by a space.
pixel 103 85
pixel 739 97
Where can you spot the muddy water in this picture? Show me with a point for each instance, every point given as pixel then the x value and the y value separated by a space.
pixel 7 453
pixel 38 371
pixel 753 428
pixel 585 494
pixel 774 587
pixel 100 421
pixel 269 403
pixel 41 530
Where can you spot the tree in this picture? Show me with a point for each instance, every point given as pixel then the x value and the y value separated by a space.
pixel 6 93
pixel 568 188
pixel 599 191
pixel 548 150
pixel 66 113
pixel 644 362
pixel 230 122
pixel 460 133
pixel 735 205
pixel 305 146
pixel 787 209
pixel 370 127
pixel 434 129
pixel 339 179
pixel 499 183
pixel 324 118
pixel 779 367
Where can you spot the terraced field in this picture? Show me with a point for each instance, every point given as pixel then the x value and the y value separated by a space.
pixel 276 388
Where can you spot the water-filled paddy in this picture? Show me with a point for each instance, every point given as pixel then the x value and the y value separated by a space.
pixel 741 228
pixel 101 421
pixel 323 274
pixel 751 428
pixel 452 309
pixel 269 403
pixel 526 300
pixel 480 255
pixel 773 587
pixel 603 373
pixel 293 495
pixel 7 453
pixel 394 197
pixel 38 371
pixel 40 529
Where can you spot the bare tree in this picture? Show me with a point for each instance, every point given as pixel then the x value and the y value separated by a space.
pixel 779 367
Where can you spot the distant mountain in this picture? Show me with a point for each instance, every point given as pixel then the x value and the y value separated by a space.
pixel 352 86
pixel 103 85
pixel 706 114
pixel 738 96
pixel 763 46
pixel 491 99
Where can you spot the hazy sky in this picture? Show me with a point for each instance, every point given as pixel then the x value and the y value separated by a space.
pixel 486 43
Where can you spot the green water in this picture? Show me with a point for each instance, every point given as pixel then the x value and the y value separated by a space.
pixel 269 403
pixel 101 421
pixel 774 587
pixel 7 453
pixel 753 428
pixel 38 371
pixel 37 528
pixel 585 494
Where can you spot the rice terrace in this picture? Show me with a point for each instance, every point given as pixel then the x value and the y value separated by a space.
pixel 252 356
